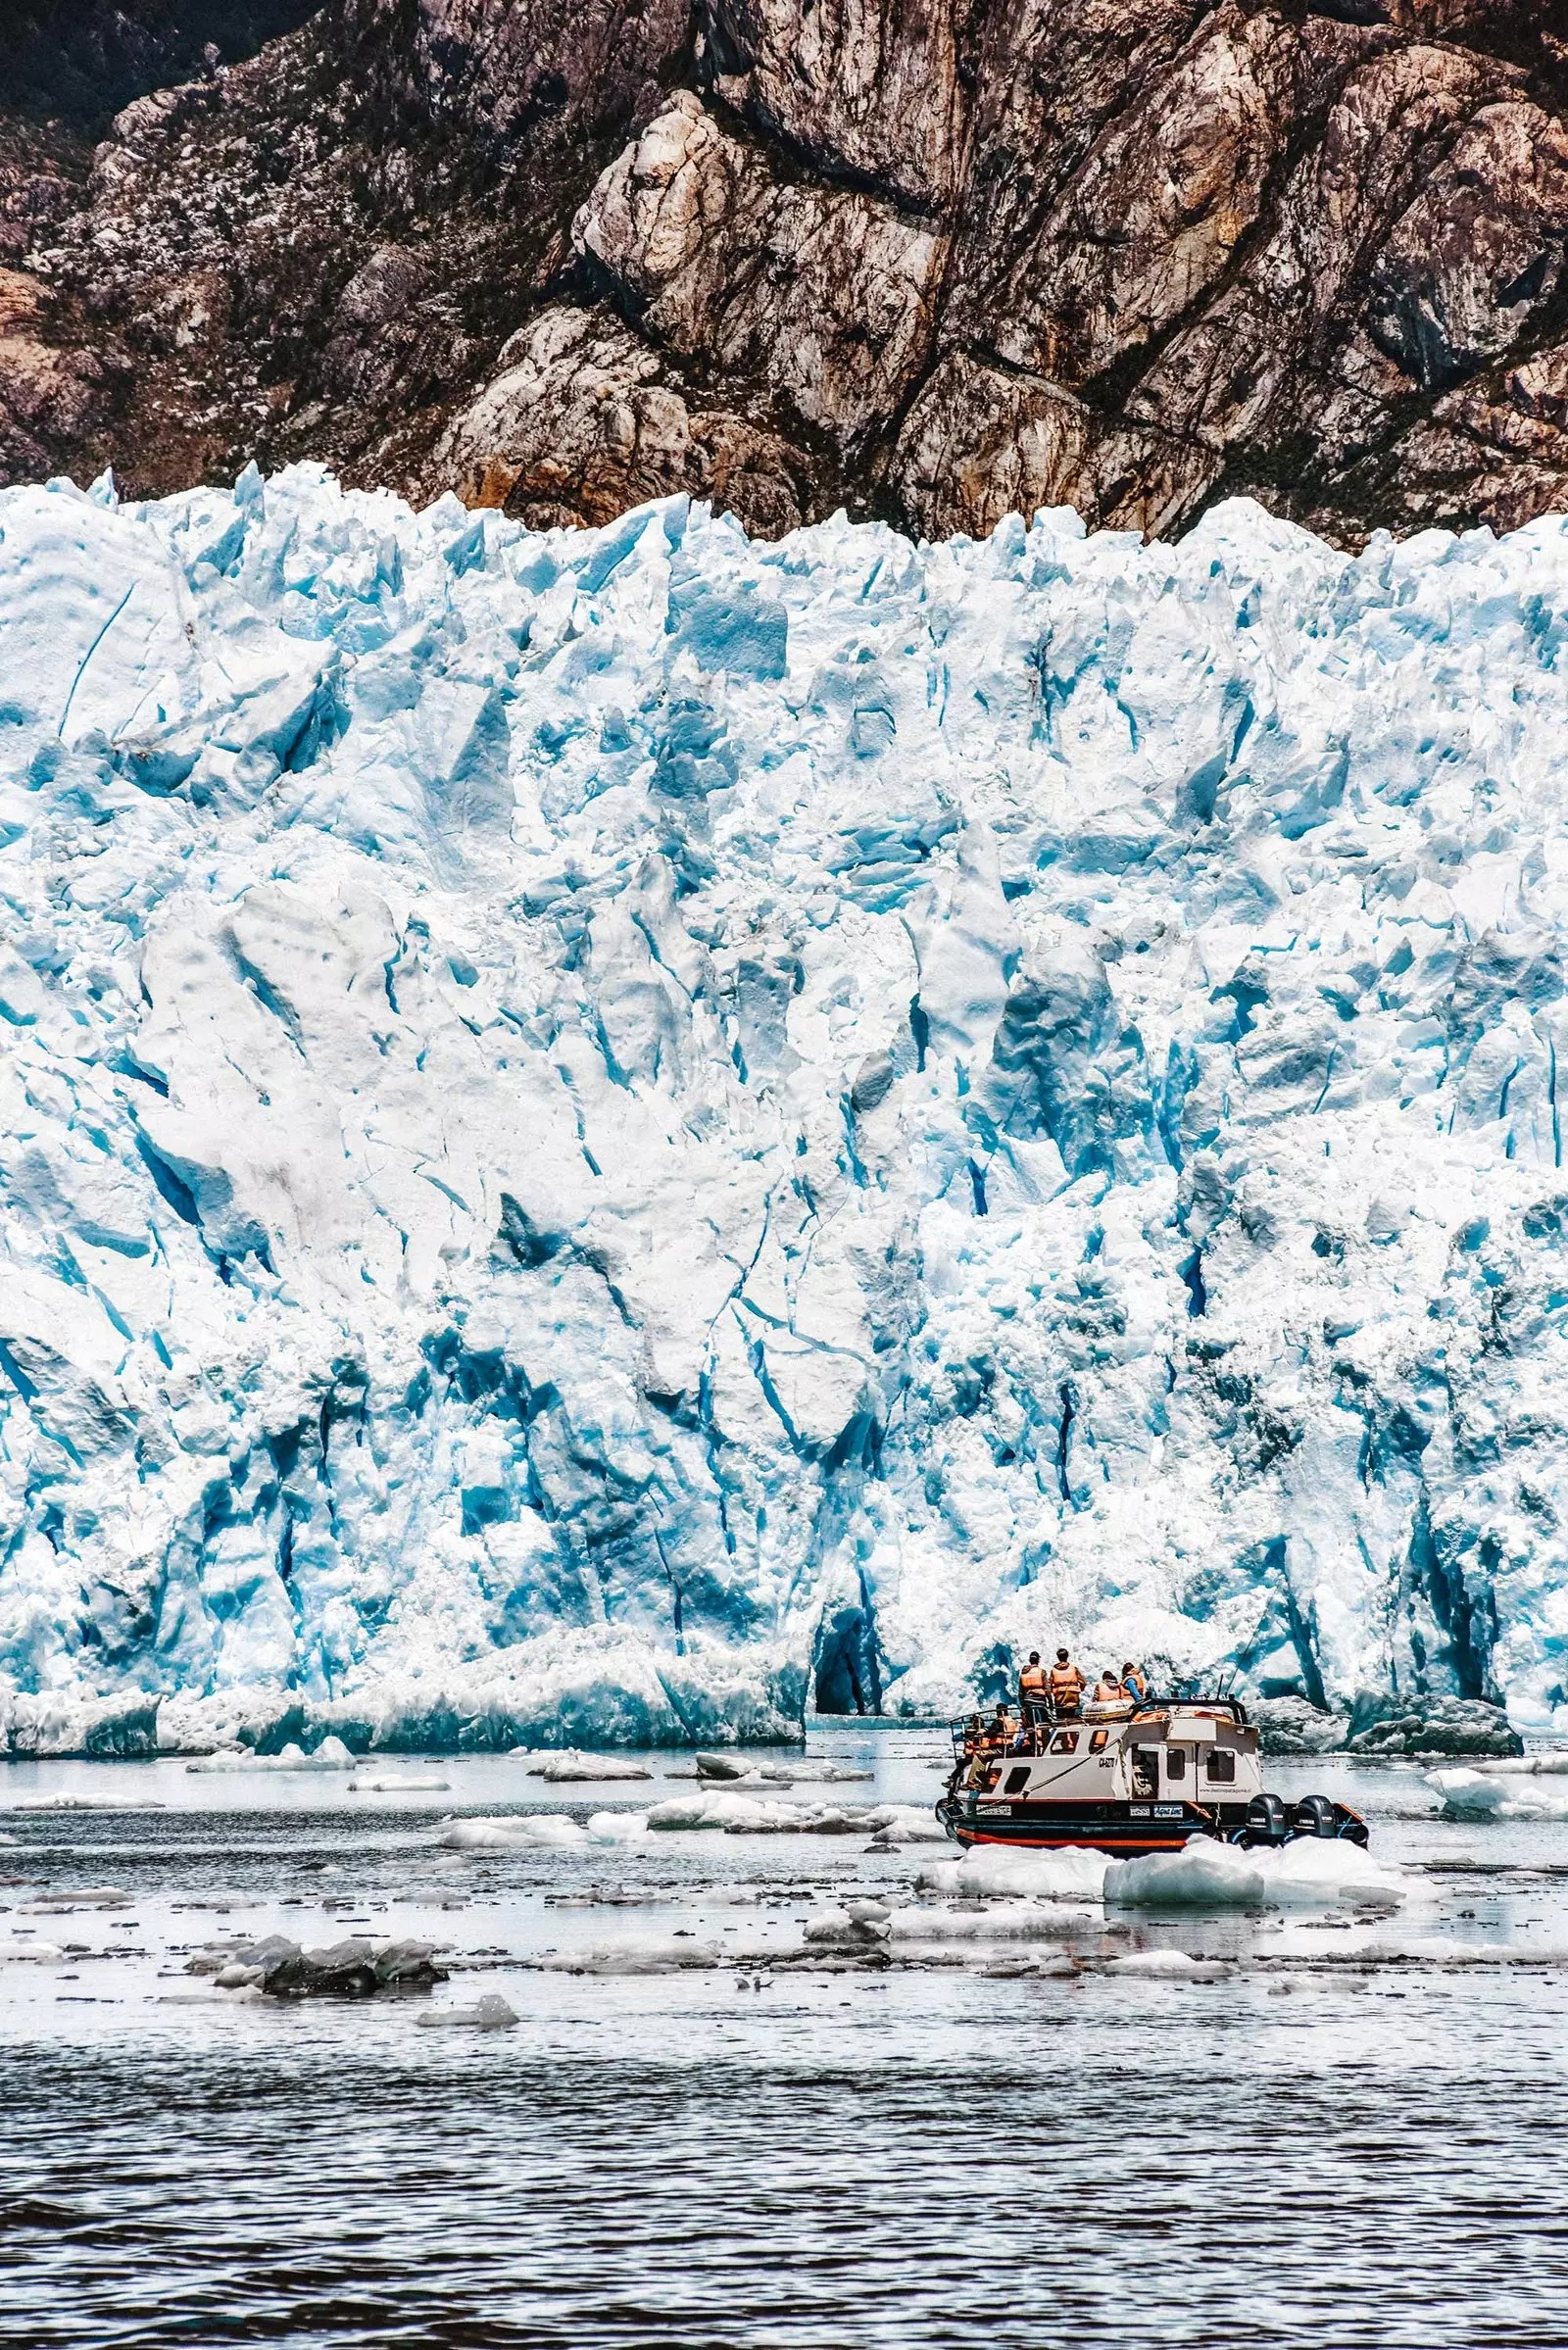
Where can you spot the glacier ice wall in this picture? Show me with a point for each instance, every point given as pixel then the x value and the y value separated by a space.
pixel 619 1134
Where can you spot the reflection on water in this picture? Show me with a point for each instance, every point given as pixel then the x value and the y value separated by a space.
pixel 927 2155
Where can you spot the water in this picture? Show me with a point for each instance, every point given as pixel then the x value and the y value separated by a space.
pixel 930 2155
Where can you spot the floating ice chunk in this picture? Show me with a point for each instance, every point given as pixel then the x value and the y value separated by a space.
pixel 513 1833
pixel 1550 1764
pixel 45 1803
pixel 996 1922
pixel 616 1827
pixel 1167 1966
pixel 1488 1795
pixel 398 1786
pixel 489 2013
pixel 571 1765
pixel 739 1813
pixel 1029 1965
pixel 1316 1872
pixel 997 1871
pixel 1309 1872
pixel 27 1950
pixel 1203 1874
pixel 637 1954
pixel 330 1755
pixel 841 1927
pixel 905 1824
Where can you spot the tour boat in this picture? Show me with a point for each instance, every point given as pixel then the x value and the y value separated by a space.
pixel 1120 1778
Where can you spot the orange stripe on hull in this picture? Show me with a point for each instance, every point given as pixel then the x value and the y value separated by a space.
pixel 1074 1844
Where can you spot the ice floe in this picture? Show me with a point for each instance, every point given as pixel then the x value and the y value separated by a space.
pixel 330 1755
pixel 1307 1872
pixel 513 1832
pixel 1490 1796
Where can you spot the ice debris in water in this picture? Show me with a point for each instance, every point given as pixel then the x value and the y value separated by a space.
pixel 29 1950
pixel 512 1831
pixel 77 1802
pixel 616 1827
pixel 330 1755
pixel 994 1871
pixel 1167 1966
pixel 635 1954
pixel 611 1131
pixel 489 2013
pixel 587 1766
pixel 398 1786
pixel 1490 1796
pixel 1307 1872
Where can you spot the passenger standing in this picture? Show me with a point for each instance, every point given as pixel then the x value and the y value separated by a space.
pixel 1066 1685
pixel 1135 1682
pixel 1033 1698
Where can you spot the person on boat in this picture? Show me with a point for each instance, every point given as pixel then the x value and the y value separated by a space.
pixel 1066 1686
pixel 1004 1729
pixel 1033 1693
pixel 971 1738
pixel 1109 1690
pixel 1135 1681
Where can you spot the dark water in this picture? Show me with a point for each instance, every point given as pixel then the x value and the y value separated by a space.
pixel 926 2156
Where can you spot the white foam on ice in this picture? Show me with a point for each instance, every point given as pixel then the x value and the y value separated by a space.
pixel 605 1130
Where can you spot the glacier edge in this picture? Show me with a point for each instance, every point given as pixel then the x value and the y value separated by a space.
pixel 611 1135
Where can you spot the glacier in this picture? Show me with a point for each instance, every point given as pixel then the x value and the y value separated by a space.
pixel 621 1136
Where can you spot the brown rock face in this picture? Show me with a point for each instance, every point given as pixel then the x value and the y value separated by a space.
pixel 930 258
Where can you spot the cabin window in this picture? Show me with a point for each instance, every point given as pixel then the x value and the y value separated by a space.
pixel 1175 1763
pixel 1017 1779
pixel 1098 1740
pixel 1145 1771
pixel 1065 1742
pixel 1222 1766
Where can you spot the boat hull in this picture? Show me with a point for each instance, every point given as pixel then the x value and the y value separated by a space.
pixel 1125 1829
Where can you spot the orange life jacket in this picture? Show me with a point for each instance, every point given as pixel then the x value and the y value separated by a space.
pixel 1066 1684
pixel 1032 1680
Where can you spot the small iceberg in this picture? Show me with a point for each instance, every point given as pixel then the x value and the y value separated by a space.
pixel 558 1769
pixel 489 2013
pixel 515 1832
pixel 1493 1796
pixel 1309 1872
pixel 330 1755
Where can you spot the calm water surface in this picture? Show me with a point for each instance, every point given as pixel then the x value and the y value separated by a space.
pixel 931 2155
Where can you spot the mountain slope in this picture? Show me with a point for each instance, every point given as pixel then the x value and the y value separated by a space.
pixel 935 262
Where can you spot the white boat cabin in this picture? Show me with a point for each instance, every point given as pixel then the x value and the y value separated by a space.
pixel 1162 1754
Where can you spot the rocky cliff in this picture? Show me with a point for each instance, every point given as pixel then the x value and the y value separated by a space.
pixel 934 261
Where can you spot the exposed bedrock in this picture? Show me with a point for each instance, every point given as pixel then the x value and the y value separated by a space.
pixel 932 262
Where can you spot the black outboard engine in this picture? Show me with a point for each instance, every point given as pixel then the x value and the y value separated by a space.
pixel 1268 1822
pixel 1316 1815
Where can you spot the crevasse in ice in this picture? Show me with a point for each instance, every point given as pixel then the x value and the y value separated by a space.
pixel 613 1135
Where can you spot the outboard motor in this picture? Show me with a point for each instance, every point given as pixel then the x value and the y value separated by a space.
pixel 1316 1815
pixel 1267 1821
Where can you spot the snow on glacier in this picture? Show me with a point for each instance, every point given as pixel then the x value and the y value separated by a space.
pixel 610 1135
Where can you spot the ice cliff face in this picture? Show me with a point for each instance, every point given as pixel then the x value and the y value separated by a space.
pixel 621 1133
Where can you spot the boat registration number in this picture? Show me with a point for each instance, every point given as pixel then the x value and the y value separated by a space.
pixel 997 1811
pixel 1167 1811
